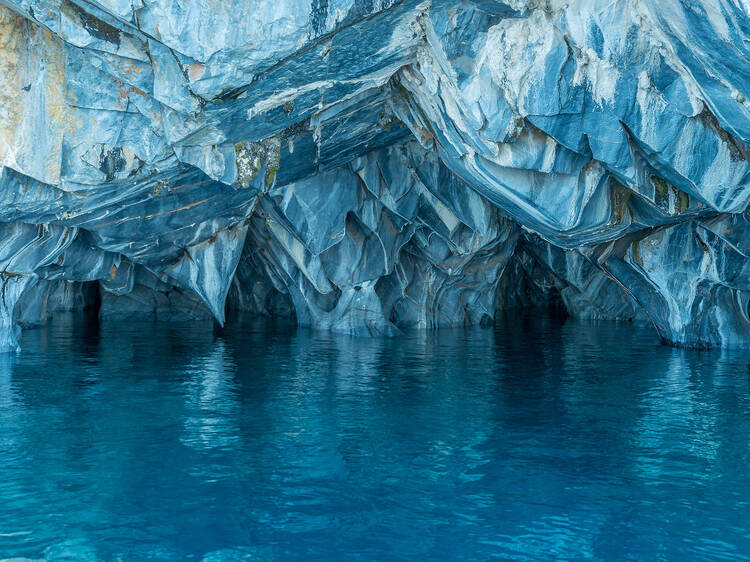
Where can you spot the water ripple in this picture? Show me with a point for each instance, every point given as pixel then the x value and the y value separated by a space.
pixel 540 439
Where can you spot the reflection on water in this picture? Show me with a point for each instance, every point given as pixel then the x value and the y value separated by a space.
pixel 538 439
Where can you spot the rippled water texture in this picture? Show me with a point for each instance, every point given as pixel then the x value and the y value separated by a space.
pixel 538 439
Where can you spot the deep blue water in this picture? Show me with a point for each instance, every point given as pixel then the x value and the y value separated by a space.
pixel 539 439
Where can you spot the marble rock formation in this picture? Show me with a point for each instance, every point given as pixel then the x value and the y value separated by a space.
pixel 370 166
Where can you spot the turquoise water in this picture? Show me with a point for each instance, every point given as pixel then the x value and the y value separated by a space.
pixel 540 439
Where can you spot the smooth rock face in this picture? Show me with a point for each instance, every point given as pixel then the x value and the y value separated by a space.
pixel 373 166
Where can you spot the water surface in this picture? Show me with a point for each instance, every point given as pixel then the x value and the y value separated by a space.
pixel 538 439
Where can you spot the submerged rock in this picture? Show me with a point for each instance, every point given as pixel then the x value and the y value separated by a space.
pixel 375 166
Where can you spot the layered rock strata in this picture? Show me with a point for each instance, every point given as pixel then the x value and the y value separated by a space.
pixel 374 166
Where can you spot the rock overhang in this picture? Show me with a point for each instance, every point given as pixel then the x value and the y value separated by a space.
pixel 378 165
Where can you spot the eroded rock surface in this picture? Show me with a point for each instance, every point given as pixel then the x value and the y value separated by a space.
pixel 370 167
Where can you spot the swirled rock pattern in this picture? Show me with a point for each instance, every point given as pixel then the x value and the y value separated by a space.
pixel 370 166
